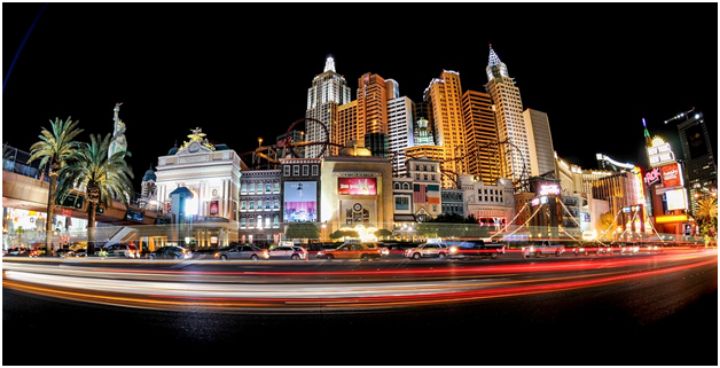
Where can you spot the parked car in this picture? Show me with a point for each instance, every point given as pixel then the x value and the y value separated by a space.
pixel 18 252
pixel 428 250
pixel 288 252
pixel 241 251
pixel 543 249
pixel 170 252
pixel 363 251
pixel 476 248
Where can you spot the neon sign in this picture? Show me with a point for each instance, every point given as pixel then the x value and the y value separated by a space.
pixel 653 176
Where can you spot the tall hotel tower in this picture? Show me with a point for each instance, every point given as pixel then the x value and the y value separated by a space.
pixel 444 96
pixel 482 160
pixel 509 117
pixel 329 90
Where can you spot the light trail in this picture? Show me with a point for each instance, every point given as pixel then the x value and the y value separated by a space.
pixel 184 290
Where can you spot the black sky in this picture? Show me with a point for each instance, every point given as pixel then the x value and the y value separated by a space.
pixel 242 70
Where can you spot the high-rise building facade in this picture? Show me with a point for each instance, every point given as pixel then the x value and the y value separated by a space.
pixel 700 166
pixel 444 96
pixel 346 129
pixel 400 121
pixel 482 159
pixel 372 104
pixel 510 121
pixel 329 90
pixel 542 152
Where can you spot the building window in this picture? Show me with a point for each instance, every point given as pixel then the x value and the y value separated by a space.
pixel 286 170
pixel 433 177
pixel 243 188
pixel 267 205
pixel 296 170
pixel 268 188
pixel 315 170
pixel 276 221
pixel 276 188
pixel 242 206
pixel 259 205
pixel 417 167
pixel 251 206
pixel 425 177
pixel 267 222
pixel 417 176
pixel 259 222
pixel 242 222
pixel 306 170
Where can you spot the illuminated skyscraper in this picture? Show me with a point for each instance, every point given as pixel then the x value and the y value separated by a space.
pixel 509 117
pixel 542 153
pixel 483 154
pixel 444 96
pixel 400 116
pixel 329 90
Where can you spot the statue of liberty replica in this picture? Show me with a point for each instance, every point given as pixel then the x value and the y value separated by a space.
pixel 118 143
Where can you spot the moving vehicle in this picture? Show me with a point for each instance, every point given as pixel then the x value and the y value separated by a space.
pixel 428 250
pixel 288 252
pixel 241 251
pixel 364 251
pixel 170 252
pixel 128 250
pixel 543 249
pixel 476 248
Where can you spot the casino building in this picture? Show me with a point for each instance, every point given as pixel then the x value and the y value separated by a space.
pixel 356 193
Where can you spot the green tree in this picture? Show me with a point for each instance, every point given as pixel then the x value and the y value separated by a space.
pixel 302 230
pixel 104 178
pixel 53 149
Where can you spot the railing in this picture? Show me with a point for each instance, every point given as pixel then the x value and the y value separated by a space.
pixel 15 160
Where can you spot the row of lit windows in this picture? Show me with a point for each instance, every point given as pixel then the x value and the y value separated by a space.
pixel 259 188
pixel 260 222
pixel 301 170
pixel 260 205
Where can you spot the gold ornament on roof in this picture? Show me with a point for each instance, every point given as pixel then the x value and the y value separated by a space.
pixel 197 136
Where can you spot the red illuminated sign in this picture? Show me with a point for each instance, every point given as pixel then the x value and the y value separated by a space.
pixel 357 186
pixel 671 176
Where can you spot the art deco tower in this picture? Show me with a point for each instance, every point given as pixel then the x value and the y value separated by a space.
pixel 329 90
pixel 511 125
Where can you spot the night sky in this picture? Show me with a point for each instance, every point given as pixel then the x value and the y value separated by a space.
pixel 242 70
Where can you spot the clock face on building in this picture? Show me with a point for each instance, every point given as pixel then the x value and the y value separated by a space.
pixel 194 147
pixel 214 193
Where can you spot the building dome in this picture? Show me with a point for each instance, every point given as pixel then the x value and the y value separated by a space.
pixel 351 149
pixel 149 175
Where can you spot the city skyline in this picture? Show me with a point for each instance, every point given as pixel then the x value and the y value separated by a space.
pixel 177 98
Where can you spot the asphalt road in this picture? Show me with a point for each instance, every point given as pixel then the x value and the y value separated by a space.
pixel 663 319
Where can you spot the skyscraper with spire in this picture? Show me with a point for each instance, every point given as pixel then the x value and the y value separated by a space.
pixel 515 156
pixel 329 90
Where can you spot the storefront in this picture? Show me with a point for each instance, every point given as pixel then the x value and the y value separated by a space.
pixel 24 228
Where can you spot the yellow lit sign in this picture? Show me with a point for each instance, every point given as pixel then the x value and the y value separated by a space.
pixel 670 218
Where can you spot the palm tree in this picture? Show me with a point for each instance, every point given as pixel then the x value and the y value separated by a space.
pixel 53 149
pixel 707 214
pixel 103 178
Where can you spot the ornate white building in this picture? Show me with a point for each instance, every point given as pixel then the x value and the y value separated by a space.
pixel 211 173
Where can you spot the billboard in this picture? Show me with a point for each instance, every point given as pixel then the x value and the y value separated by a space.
pixel 300 201
pixel 214 208
pixel 671 176
pixel 676 199
pixel 357 186
pixel 544 188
